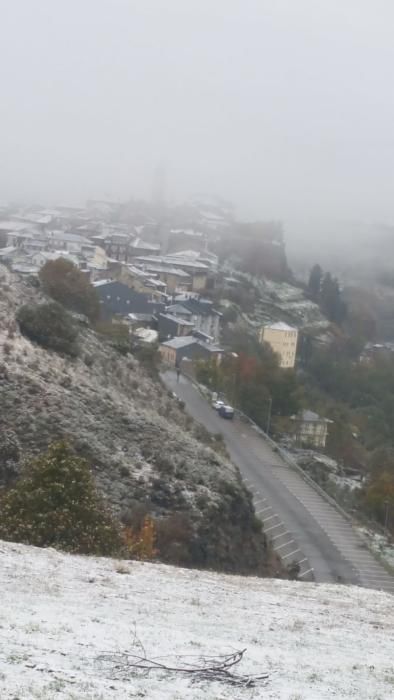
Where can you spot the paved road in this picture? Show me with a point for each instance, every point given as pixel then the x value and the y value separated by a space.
pixel 302 526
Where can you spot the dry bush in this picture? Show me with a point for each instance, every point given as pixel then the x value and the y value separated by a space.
pixel 140 544
pixel 174 536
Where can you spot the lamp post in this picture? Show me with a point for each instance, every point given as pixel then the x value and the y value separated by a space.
pixel 267 430
pixel 234 355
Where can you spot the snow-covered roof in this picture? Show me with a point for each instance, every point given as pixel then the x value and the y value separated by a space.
pixel 307 416
pixel 7 251
pixel 310 416
pixel 177 272
pixel 55 255
pixel 13 226
pixel 145 245
pixel 176 319
pixel 192 254
pixel 36 218
pixel 148 335
pixel 179 309
pixel 25 269
pixel 137 271
pixel 101 283
pixel 185 340
pixel 280 326
pixel 169 260
pixel 155 282
pixel 186 232
pixel 180 342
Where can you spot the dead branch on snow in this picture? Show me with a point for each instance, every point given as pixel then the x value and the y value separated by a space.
pixel 200 668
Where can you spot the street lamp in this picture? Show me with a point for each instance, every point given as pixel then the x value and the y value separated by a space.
pixel 235 356
pixel 386 504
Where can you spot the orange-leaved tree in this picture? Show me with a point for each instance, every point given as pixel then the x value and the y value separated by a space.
pixel 141 543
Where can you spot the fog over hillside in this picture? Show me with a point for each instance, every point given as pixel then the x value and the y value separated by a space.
pixel 282 107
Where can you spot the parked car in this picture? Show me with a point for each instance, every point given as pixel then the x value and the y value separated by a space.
pixel 226 411
pixel 217 403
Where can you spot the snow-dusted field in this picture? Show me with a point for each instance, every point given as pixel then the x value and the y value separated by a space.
pixel 59 613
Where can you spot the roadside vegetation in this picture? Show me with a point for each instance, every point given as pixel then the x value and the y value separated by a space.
pixel 250 378
pixel 331 380
pixel 359 398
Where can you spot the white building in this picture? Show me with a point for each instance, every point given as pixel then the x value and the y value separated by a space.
pixel 311 429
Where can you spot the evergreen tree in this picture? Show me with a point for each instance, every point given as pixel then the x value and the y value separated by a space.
pixel 314 283
pixel 55 504
pixel 331 302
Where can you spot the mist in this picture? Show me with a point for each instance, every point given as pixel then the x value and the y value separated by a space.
pixel 286 108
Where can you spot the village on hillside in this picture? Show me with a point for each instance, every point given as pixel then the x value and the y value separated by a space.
pixel 200 288
pixel 165 276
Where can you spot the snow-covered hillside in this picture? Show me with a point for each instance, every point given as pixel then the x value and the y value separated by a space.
pixel 146 453
pixel 59 613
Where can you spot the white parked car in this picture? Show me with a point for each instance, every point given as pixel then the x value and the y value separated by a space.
pixel 217 403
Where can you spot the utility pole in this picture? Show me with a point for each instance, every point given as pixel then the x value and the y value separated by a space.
pixel 386 515
pixel 235 378
pixel 269 415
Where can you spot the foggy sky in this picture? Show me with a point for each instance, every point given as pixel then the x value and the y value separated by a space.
pixel 286 107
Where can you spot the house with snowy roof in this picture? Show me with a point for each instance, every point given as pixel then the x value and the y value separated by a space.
pixel 310 429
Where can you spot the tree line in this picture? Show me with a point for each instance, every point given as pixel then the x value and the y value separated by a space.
pixel 324 289
pixel 251 379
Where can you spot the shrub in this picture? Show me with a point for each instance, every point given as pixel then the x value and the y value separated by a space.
pixel 62 281
pixel 140 544
pixel 174 538
pixel 88 360
pixel 116 333
pixel 9 456
pixel 148 356
pixel 202 434
pixel 163 464
pixel 55 504
pixel 49 325
pixel 135 515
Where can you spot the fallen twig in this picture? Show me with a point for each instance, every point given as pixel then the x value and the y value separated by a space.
pixel 207 668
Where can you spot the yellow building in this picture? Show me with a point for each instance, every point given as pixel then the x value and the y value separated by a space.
pixel 283 341
pixel 139 280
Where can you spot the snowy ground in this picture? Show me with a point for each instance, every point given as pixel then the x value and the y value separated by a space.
pixel 59 613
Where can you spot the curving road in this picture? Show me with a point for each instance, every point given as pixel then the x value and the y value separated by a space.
pixel 302 526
